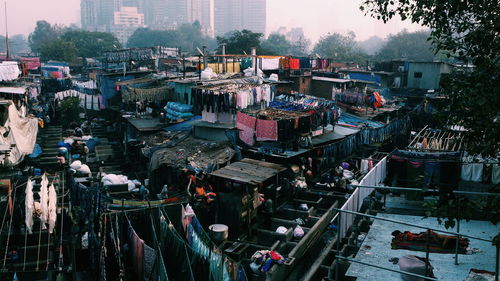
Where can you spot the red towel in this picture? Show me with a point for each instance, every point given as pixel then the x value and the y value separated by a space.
pixel 246 125
pixel 294 64
pixel 267 130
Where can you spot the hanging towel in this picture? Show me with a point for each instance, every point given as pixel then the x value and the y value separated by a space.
pixel 29 206
pixel 495 174
pixel 52 206
pixel 246 125
pixel 267 130
pixel 44 201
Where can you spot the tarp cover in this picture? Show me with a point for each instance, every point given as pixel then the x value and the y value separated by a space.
pixel 9 71
pixel 22 132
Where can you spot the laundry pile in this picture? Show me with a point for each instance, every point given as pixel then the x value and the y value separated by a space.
pixel 176 111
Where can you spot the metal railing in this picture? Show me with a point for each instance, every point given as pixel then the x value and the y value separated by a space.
pixel 428 229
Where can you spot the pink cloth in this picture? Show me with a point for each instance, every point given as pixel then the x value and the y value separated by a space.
pixel 246 125
pixel 267 130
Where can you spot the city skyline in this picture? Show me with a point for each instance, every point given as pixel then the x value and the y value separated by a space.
pixel 317 17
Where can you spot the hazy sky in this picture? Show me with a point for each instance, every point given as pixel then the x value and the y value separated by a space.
pixel 317 17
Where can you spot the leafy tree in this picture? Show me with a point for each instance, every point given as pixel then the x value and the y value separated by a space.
pixel 276 44
pixel 300 48
pixel 70 111
pixel 91 44
pixel 238 42
pixel 340 47
pixel 44 32
pixel 468 32
pixel 145 37
pixel 187 37
pixel 372 45
pixel 58 50
pixel 411 46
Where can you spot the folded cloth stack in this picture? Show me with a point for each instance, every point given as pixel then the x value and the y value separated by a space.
pixel 176 111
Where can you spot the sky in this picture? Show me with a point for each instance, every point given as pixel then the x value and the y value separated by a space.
pixel 316 17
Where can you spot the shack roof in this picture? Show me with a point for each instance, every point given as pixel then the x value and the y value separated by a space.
pixel 249 171
pixel 13 90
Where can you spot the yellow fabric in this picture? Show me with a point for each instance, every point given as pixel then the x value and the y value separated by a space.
pixel 231 68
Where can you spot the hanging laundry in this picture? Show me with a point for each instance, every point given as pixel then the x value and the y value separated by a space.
pixel 267 130
pixel 246 125
pixel 44 201
pixel 29 206
pixel 52 207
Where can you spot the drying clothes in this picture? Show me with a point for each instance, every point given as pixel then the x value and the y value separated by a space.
pixel 246 124
pixel 52 208
pixel 131 94
pixel 44 201
pixel 66 94
pixel 438 243
pixel 149 263
pixel 20 131
pixel 136 253
pixel 267 130
pixel 364 166
pixel 295 64
pixel 495 174
pixel 9 70
pixel 29 205
pixel 270 64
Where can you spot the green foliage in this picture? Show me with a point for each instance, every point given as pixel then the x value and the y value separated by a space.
pixel 276 44
pixel 469 33
pixel 44 33
pixel 340 47
pixel 238 42
pixel 91 44
pixel 59 50
pixel 464 209
pixel 187 37
pixel 406 45
pixel 70 110
pixel 372 45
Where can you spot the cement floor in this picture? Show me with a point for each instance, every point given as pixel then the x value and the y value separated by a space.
pixel 376 249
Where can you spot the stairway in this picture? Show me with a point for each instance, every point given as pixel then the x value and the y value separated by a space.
pixel 48 138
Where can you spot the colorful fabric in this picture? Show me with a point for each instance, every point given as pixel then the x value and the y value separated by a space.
pixel 267 130
pixel 294 63
pixel 246 125
pixel 437 243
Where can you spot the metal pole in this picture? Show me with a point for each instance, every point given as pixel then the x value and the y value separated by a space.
pixel 199 63
pixel 422 190
pixel 224 68
pixel 458 231
pixel 427 252
pixel 411 224
pixel 254 59
pixel 496 265
pixel 6 33
pixel 389 269
pixel 204 58
pixel 183 67
pixel 337 266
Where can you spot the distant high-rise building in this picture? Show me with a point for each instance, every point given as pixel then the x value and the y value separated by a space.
pixel 232 15
pixel 129 16
pixel 88 13
pixel 106 11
